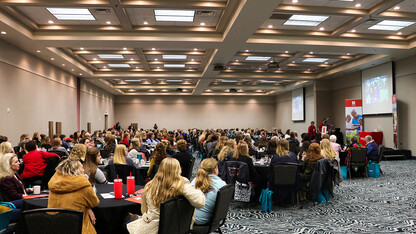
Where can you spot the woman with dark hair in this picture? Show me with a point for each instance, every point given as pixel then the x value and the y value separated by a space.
pixel 271 147
pixel 110 143
pixel 95 175
pixel 304 150
pixel 158 155
pixel 151 139
pixel 46 143
pixel 263 142
pixel 183 156
pixel 36 137
pixel 314 154
pixel 249 142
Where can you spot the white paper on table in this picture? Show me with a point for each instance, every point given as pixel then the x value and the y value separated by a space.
pixel 107 195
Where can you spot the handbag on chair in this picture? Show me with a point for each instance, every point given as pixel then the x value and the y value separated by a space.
pixel 242 192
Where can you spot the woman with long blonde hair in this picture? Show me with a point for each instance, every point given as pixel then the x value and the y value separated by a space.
pixel 241 155
pixel 209 183
pixel 327 151
pixel 166 184
pixel 120 154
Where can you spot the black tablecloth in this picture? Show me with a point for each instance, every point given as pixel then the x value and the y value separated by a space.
pixel 141 170
pixel 109 213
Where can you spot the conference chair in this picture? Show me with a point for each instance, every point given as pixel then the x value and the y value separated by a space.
pixel 358 159
pixel 322 179
pixel 49 171
pixel 175 216
pixel 190 168
pixel 222 204
pixel 51 221
pixel 286 175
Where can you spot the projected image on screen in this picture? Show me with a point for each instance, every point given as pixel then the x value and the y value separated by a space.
pixel 298 106
pixel 376 90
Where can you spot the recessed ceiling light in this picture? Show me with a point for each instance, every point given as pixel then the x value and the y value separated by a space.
pixel 236 60
pixel 257 58
pixel 267 81
pixel 293 61
pixel 136 67
pixel 195 49
pixel 153 48
pixel 172 56
pixel 38 51
pixel 202 24
pixel 315 60
pixel 156 59
pixel 326 62
pixel 71 13
pixel 50 21
pixel 108 22
pixel 105 66
pixel 52 58
pixel 72 69
pixel 131 59
pixel 321 28
pixel 164 90
pixel 192 59
pixel 124 48
pixel 397 8
pixel 145 23
pixel 82 48
pixel 305 20
pixel 348 53
pixel 270 26
pixel 63 64
pixel 311 52
pixel 399 33
pixel 174 15
pixel 110 56
pixel 294 1
pixel 358 5
pixel 174 65
pixel 151 90
pixel 158 67
pixel 259 68
pixel 246 50
pixel 3 32
pixel 286 51
pixel 80 74
pixel 391 25
pixel 94 59
pixel 120 65
pixel 353 31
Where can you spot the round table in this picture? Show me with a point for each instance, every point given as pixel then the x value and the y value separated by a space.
pixel 109 213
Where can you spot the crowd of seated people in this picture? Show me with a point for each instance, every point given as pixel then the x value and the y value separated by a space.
pixel 81 153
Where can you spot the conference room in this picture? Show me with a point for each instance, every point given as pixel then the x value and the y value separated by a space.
pixel 217 65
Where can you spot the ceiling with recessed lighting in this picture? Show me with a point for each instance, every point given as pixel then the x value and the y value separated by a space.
pixel 210 47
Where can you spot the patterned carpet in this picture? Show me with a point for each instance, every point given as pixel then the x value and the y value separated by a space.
pixel 361 205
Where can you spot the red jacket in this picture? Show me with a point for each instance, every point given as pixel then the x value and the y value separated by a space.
pixel 312 131
pixel 35 163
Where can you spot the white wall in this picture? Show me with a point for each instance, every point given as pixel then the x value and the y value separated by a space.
pixel 94 103
pixel 284 111
pixel 185 112
pixel 35 92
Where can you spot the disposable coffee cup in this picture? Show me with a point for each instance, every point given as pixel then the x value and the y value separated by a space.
pixel 36 189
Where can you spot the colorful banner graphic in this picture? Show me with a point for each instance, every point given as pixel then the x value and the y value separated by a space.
pixel 395 122
pixel 353 118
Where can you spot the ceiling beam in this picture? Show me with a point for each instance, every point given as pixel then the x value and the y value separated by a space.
pixel 142 58
pixel 53 3
pixel 183 4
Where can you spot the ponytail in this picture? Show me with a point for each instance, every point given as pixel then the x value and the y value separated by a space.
pixel 203 180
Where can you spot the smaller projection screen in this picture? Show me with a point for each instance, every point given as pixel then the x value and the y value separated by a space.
pixel 298 105
pixel 377 89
